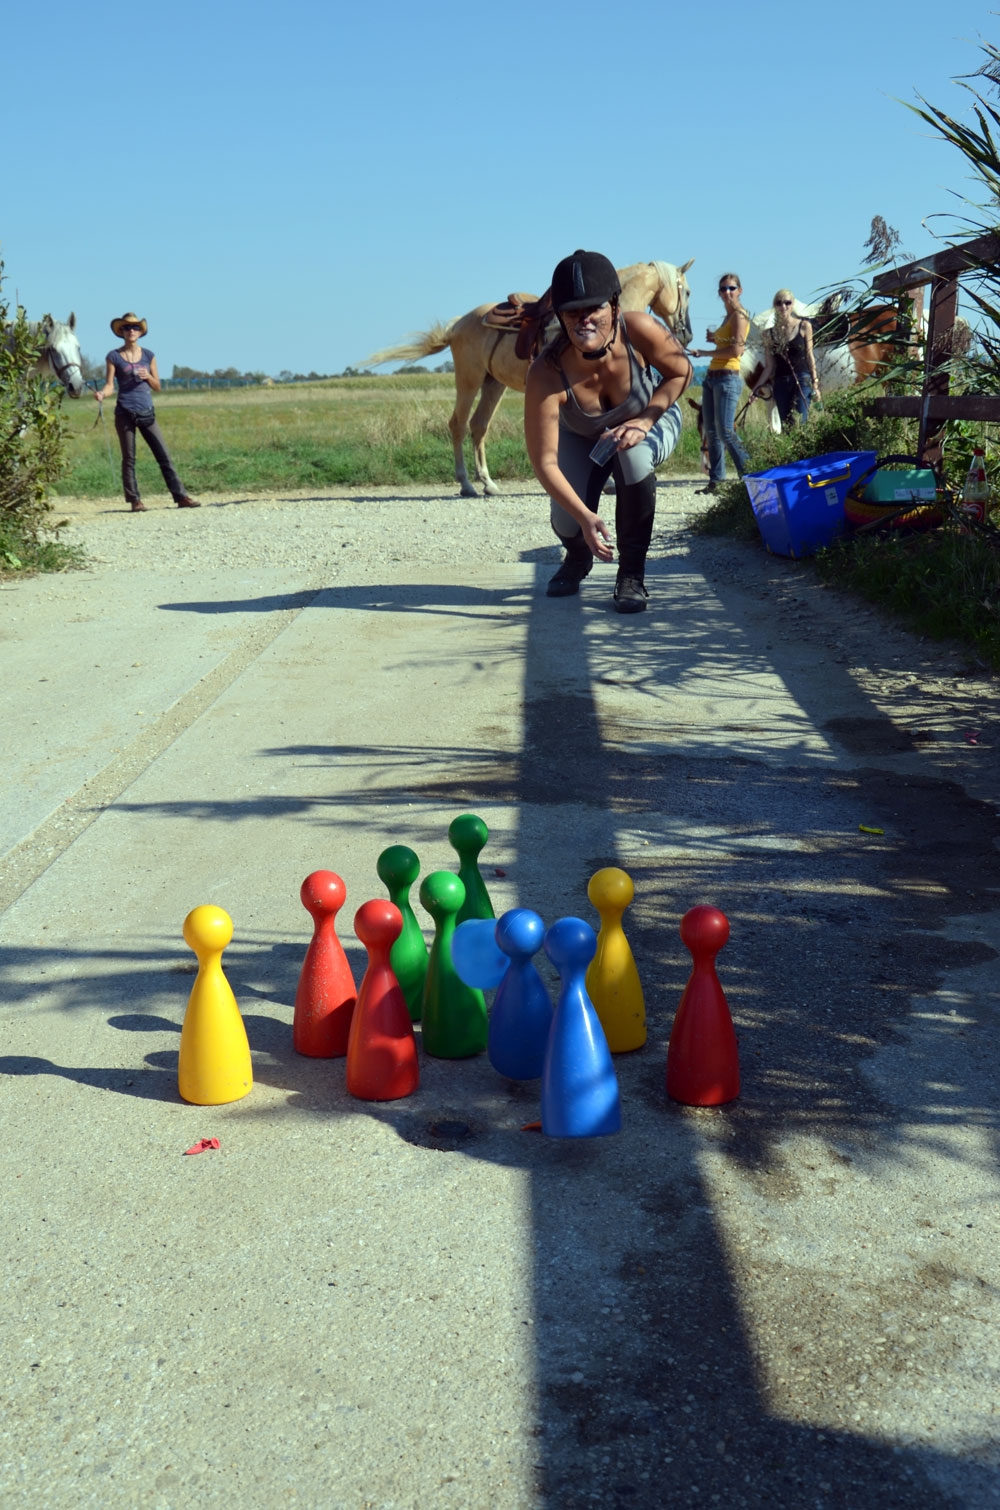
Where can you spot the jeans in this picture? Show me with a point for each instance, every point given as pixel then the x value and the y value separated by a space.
pixel 126 423
pixel 720 397
pixel 792 390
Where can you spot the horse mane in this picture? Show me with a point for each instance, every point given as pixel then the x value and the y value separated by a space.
pixel 667 273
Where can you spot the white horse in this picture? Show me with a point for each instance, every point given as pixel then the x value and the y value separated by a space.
pixel 60 356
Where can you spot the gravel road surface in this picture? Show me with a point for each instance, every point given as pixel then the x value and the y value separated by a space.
pixel 793 1300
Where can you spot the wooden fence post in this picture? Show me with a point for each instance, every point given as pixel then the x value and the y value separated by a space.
pixel 940 334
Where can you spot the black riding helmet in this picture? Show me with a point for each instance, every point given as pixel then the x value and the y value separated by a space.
pixel 583 280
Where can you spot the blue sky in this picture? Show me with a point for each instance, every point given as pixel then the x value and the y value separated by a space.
pixel 295 185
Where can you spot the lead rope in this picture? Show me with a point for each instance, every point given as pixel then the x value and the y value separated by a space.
pixel 100 421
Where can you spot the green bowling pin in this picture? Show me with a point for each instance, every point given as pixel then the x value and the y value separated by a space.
pixel 398 868
pixel 455 1023
pixel 467 835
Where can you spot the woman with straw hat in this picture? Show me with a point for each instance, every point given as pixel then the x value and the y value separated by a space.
pixel 134 368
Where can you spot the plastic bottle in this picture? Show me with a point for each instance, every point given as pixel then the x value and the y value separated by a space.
pixel 976 492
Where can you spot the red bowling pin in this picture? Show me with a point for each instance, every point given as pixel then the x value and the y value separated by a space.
pixel 703 1067
pixel 324 1001
pixel 382 1052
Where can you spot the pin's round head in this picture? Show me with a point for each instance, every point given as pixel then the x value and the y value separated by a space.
pixel 397 866
pixel 323 892
pixel 704 928
pixel 520 932
pixel 570 944
pixel 468 832
pixel 208 929
pixel 442 893
pixel 378 922
pixel 611 888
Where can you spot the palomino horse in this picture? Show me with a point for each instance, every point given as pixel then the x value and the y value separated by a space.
pixel 486 363
pixel 60 355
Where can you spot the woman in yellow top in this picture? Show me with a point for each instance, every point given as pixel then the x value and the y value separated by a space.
pixel 720 394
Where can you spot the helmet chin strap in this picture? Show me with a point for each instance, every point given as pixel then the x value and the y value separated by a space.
pixel 597 356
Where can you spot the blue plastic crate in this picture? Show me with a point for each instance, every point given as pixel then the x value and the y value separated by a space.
pixel 800 507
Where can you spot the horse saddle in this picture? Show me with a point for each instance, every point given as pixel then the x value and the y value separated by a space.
pixel 524 318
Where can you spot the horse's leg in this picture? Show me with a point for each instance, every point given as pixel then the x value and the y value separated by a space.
pixel 465 394
pixel 489 401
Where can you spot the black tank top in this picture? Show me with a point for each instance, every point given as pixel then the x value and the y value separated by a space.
pixel 592 425
pixel 793 357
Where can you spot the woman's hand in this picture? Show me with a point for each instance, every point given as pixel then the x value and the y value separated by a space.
pixel 630 434
pixel 596 534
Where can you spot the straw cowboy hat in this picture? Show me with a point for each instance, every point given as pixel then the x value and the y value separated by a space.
pixel 129 319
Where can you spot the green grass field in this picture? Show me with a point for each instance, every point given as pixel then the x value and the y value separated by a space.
pixel 343 432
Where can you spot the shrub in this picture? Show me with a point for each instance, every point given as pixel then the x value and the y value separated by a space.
pixel 32 447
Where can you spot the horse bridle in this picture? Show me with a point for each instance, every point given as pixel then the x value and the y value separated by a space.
pixel 682 317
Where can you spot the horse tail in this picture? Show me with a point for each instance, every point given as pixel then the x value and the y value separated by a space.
pixel 426 343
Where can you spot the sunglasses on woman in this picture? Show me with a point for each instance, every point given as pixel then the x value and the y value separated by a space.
pixel 779 304
pixel 131 327
pixel 728 288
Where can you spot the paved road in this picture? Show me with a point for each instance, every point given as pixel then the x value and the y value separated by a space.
pixel 791 1301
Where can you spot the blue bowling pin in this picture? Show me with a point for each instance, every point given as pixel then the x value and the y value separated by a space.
pixel 579 1085
pixel 477 959
pixel 521 1019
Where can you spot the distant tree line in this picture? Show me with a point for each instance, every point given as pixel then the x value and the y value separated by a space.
pixel 223 374
pixel 93 372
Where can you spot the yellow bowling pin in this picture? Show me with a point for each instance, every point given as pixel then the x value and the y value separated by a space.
pixel 214 1065
pixel 613 983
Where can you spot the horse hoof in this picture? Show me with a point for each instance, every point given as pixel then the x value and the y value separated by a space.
pixel 490 490
pixel 468 491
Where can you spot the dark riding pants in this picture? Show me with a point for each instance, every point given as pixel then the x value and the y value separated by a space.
pixel 126 424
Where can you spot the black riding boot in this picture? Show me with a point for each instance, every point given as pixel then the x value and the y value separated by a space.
pixel 634 529
pixel 576 565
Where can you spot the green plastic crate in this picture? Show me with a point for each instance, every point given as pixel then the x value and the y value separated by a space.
pixel 901 485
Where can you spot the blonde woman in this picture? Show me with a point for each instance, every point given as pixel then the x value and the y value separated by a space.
pixel 720 395
pixel 133 368
pixel 790 365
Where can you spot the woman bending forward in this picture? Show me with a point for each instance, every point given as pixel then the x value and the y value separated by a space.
pixel 594 381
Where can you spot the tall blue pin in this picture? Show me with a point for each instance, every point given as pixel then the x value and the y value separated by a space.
pixel 497 956
pixel 579 1085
